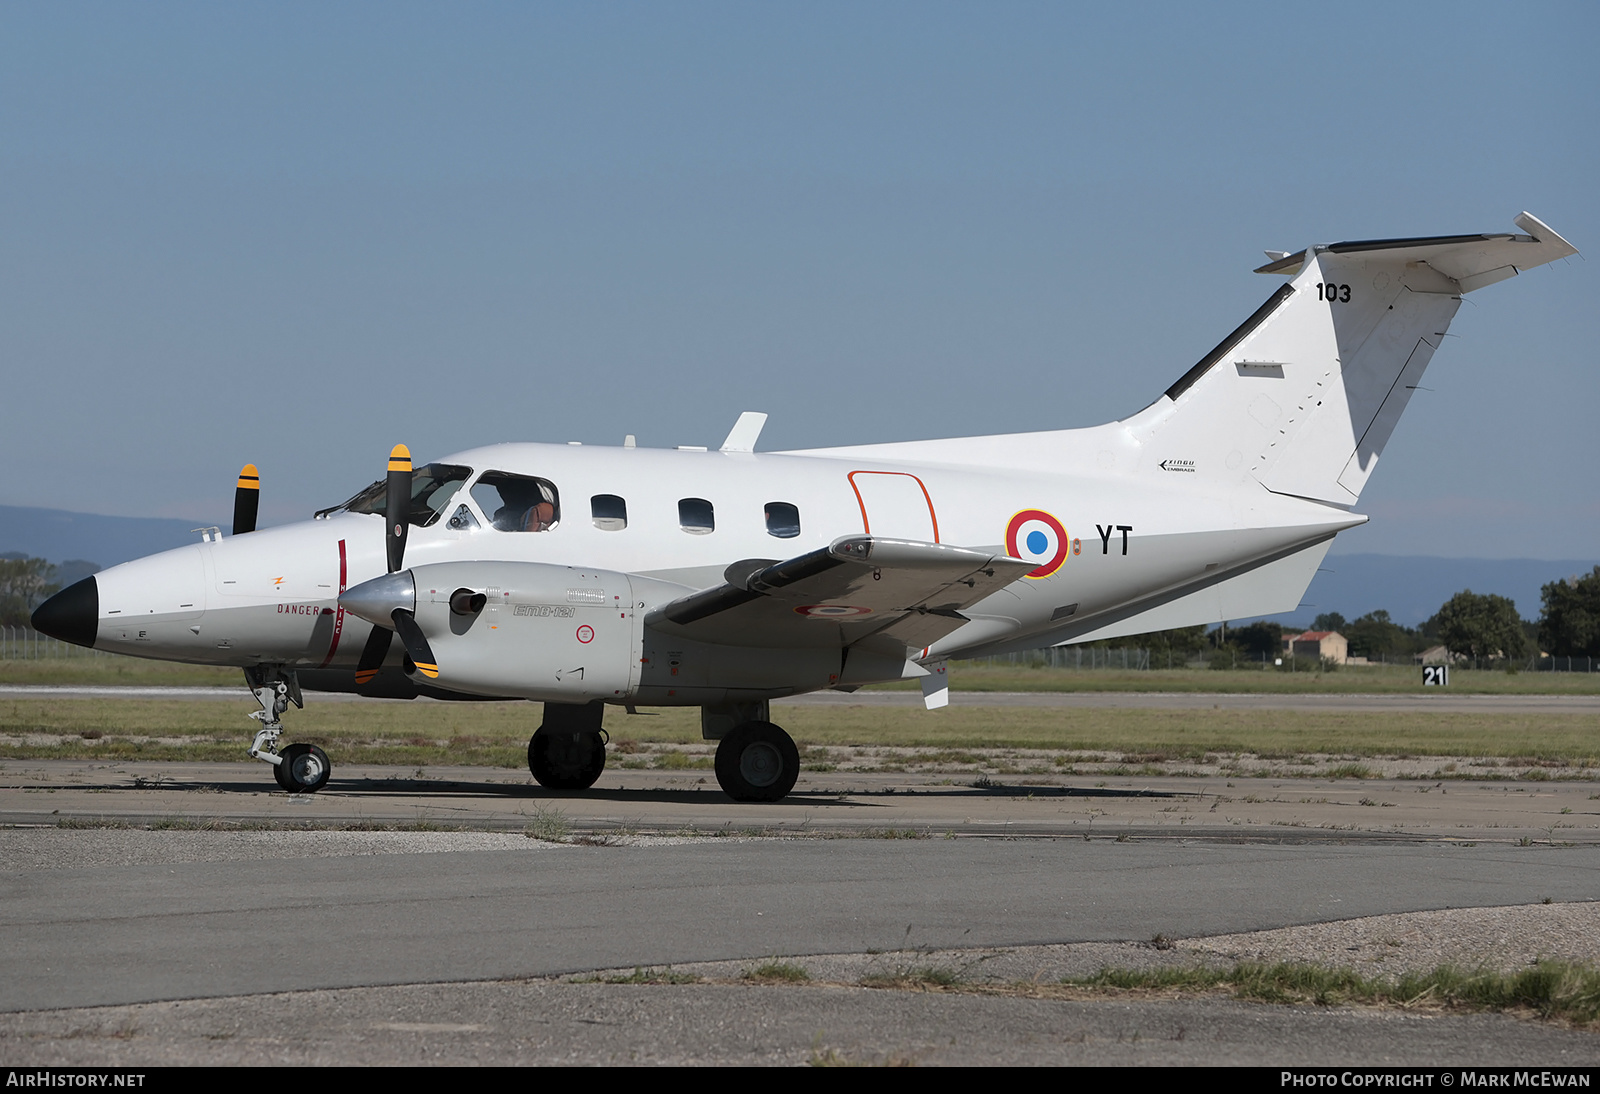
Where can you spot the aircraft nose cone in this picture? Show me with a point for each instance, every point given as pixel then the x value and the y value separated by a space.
pixel 72 615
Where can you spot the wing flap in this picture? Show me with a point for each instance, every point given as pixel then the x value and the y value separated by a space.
pixel 897 591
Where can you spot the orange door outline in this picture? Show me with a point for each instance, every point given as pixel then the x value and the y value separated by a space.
pixel 866 525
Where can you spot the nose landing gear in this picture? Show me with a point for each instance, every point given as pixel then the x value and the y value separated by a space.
pixel 301 768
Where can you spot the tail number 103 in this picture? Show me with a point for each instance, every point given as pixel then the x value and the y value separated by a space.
pixel 1328 291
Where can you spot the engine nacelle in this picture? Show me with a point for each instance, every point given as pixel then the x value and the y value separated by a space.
pixel 561 634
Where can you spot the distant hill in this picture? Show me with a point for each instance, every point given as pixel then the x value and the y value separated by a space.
pixel 1412 587
pixel 58 535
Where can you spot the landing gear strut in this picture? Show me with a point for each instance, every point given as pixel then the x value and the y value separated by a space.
pixel 757 762
pixel 568 752
pixel 302 768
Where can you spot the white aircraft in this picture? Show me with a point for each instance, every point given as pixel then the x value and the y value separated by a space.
pixel 583 576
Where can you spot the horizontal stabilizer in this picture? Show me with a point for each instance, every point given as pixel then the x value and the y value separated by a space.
pixel 1471 261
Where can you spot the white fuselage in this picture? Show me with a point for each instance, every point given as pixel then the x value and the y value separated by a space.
pixel 1143 545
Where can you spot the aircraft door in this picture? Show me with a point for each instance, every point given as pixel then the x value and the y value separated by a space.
pixel 895 503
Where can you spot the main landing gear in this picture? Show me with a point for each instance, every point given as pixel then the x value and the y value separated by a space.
pixel 756 760
pixel 301 768
pixel 568 752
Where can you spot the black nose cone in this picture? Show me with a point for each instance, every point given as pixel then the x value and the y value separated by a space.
pixel 72 615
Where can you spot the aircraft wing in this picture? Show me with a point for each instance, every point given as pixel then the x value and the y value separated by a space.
pixel 859 587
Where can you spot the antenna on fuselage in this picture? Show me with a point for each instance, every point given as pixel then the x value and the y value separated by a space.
pixel 745 432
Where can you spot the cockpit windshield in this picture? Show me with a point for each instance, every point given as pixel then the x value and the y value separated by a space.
pixel 432 487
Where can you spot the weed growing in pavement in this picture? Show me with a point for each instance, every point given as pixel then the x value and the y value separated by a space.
pixel 777 972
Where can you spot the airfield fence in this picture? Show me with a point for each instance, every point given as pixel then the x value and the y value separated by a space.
pixel 1094 658
pixel 27 644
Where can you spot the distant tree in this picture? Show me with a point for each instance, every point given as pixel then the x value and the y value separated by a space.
pixel 1328 621
pixel 1182 642
pixel 1570 624
pixel 1376 635
pixel 1259 639
pixel 1481 626
pixel 24 582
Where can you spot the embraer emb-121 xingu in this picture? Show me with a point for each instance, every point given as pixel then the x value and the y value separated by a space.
pixel 583 576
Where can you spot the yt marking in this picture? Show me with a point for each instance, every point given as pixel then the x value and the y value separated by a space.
pixel 1105 536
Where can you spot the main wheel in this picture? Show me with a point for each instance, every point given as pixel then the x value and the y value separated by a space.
pixel 757 762
pixel 304 770
pixel 566 759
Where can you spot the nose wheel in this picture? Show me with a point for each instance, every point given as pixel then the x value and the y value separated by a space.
pixel 304 770
pixel 757 762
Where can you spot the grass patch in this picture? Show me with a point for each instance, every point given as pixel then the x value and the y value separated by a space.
pixel 675 760
pixel 923 977
pixel 965 676
pixel 548 824
pixel 115 670
pixel 1556 990
pixel 641 975
pixel 968 676
pixel 777 972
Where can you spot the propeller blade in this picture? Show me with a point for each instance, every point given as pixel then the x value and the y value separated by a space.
pixel 416 643
pixel 397 506
pixel 246 500
pixel 372 655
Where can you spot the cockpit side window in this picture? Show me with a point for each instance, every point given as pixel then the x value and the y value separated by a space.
pixel 433 485
pixel 517 503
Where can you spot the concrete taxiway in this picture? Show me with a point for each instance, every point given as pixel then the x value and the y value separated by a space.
pixel 934 803
pixel 304 935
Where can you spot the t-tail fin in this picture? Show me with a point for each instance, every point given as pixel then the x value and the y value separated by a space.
pixel 1304 395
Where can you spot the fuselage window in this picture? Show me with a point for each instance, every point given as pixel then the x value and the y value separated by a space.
pixel 433 485
pixel 517 503
pixel 610 512
pixel 783 520
pixel 695 516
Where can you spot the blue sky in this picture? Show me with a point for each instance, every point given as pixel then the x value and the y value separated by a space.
pixel 295 234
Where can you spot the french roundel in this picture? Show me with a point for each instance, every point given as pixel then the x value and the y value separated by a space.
pixel 832 611
pixel 1035 536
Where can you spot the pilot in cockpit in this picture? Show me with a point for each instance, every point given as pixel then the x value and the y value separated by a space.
pixel 528 506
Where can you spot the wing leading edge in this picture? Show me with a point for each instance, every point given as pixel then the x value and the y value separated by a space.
pixel 893 592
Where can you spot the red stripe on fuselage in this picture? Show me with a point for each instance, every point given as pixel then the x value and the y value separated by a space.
pixel 338 616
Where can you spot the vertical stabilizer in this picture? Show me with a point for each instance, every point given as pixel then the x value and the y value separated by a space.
pixel 1304 395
